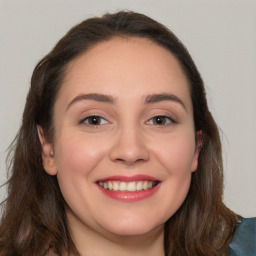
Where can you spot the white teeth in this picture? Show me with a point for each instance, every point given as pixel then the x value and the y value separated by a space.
pixel 122 186
pixel 110 186
pixel 127 186
pixel 145 185
pixel 139 186
pixel 115 186
pixel 131 186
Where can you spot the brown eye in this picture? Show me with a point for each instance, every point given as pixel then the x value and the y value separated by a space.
pixel 94 120
pixel 160 120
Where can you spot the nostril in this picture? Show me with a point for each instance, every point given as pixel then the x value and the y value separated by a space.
pixel 130 161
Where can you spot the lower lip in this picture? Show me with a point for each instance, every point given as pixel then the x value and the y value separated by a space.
pixel 127 196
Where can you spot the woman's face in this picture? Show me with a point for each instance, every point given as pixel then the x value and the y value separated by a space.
pixel 124 146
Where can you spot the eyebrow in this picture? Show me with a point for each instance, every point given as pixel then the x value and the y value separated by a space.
pixel 92 96
pixel 155 98
pixel 150 99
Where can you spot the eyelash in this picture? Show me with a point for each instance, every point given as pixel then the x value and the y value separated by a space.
pixel 153 121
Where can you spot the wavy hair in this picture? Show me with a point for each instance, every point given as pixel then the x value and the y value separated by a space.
pixel 34 219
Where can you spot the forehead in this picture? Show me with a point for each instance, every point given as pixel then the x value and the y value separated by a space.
pixel 125 65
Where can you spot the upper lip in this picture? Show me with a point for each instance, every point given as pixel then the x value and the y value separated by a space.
pixel 139 177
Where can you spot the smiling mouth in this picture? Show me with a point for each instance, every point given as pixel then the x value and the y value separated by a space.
pixel 131 186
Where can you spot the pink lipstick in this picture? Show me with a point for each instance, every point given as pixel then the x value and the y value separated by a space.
pixel 129 188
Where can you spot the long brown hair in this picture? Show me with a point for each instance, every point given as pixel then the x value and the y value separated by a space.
pixel 34 218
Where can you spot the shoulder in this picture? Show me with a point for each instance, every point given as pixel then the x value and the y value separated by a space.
pixel 244 240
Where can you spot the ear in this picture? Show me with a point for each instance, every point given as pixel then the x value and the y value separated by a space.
pixel 47 153
pixel 197 150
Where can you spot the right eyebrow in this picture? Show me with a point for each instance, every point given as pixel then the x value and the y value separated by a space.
pixel 92 96
pixel 155 98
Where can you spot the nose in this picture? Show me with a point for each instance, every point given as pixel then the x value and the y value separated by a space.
pixel 129 147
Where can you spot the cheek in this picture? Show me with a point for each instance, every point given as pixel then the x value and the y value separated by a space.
pixel 77 157
pixel 176 154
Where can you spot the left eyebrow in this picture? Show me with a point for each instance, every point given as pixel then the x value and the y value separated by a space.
pixel 155 98
pixel 94 97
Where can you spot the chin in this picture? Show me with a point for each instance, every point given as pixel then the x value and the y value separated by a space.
pixel 133 228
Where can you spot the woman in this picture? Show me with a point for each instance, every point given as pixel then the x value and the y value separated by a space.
pixel 118 153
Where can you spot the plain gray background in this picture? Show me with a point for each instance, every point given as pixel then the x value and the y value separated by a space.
pixel 220 35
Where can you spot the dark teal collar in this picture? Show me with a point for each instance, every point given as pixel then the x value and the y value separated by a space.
pixel 244 240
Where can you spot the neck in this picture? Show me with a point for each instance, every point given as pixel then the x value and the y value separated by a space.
pixel 90 242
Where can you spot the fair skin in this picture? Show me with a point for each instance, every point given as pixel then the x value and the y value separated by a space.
pixel 123 115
